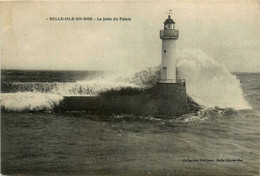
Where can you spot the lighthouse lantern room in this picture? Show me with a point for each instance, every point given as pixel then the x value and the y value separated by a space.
pixel 169 35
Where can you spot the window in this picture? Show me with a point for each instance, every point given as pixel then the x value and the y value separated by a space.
pixel 169 26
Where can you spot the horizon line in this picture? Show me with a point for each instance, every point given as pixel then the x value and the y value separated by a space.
pixel 96 70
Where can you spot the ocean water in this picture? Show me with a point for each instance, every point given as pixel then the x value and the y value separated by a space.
pixel 222 138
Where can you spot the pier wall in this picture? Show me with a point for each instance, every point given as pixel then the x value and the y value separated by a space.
pixel 162 99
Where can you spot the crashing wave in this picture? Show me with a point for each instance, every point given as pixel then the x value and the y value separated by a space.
pixel 208 85
pixel 29 101
pixel 85 88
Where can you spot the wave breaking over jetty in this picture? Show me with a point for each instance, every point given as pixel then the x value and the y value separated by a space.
pixel 209 84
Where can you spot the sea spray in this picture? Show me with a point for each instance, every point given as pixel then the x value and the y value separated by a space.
pixel 209 83
pixel 79 88
pixel 44 96
pixel 29 101
pixel 146 78
pixel 90 88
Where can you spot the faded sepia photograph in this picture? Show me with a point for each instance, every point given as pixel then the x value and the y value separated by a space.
pixel 130 87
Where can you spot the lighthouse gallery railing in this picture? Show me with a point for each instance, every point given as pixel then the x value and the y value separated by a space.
pixel 169 34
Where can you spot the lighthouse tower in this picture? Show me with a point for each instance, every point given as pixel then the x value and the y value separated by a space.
pixel 169 35
pixel 166 98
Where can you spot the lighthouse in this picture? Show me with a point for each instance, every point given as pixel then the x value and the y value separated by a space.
pixel 166 98
pixel 168 35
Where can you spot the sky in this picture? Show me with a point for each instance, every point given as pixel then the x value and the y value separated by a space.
pixel 227 31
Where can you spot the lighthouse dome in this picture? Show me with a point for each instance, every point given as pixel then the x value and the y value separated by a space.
pixel 169 21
